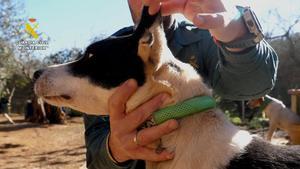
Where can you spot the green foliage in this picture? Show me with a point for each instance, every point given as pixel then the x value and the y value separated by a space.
pixel 236 120
pixel 11 20
pixel 288 76
pixel 232 110
pixel 256 123
pixel 15 66
pixel 233 118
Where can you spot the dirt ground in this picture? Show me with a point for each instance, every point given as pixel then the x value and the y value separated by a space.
pixel 26 145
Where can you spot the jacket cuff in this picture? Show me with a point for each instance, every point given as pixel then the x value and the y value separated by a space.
pixel 243 57
pixel 110 161
pixel 247 74
pixel 245 61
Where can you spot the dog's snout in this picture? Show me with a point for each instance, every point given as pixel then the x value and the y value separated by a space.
pixel 37 74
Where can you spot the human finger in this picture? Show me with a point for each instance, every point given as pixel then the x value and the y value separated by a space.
pixel 116 103
pixel 154 6
pixel 172 6
pixel 149 135
pixel 210 21
pixel 135 118
pixel 151 154
pixel 146 2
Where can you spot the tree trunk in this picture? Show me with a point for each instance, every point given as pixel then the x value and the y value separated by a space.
pixel 9 104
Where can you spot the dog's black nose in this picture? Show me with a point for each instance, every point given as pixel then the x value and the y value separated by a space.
pixel 37 74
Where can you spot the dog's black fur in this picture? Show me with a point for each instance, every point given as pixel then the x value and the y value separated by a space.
pixel 121 52
pixel 260 154
pixel 118 51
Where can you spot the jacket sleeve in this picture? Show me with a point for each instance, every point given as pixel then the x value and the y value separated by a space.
pixel 245 75
pixel 97 155
pixel 237 76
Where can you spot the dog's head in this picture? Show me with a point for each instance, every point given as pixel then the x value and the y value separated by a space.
pixel 87 83
pixel 254 103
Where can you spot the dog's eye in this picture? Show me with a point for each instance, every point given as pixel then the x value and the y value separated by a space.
pixel 79 57
pixel 84 57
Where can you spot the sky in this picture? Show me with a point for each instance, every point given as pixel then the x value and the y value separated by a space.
pixel 74 23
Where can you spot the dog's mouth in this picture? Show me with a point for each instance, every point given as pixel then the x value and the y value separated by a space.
pixel 58 97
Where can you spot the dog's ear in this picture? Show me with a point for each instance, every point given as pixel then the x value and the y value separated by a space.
pixel 151 37
pixel 255 103
pixel 261 100
pixel 146 22
pixel 145 45
pixel 153 50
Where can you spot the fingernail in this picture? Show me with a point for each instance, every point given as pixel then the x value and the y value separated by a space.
pixel 129 83
pixel 173 124
pixel 200 19
pixel 164 97
pixel 125 83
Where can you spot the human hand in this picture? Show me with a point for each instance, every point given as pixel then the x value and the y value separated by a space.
pixel 123 127
pixel 220 17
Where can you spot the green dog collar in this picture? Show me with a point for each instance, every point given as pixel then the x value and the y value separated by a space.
pixel 183 109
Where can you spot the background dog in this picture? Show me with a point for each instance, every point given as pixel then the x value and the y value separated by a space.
pixel 279 116
pixel 205 140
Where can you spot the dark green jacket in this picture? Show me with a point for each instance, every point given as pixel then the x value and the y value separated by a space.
pixel 236 76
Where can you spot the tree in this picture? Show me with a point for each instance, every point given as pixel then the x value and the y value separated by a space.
pixel 287 27
pixel 16 67
pixel 286 44
pixel 63 56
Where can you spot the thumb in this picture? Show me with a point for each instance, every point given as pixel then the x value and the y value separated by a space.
pixel 172 6
pixel 117 101
pixel 211 21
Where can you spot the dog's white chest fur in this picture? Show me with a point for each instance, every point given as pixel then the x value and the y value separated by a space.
pixel 204 141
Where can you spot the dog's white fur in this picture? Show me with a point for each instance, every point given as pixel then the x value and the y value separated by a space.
pixel 57 81
pixel 204 141
pixel 200 144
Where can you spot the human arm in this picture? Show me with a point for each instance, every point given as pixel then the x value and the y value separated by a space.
pixel 96 134
pixel 220 17
pixel 237 74
pixel 244 75
pixel 232 75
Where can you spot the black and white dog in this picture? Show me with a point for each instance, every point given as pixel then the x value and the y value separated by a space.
pixel 205 140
